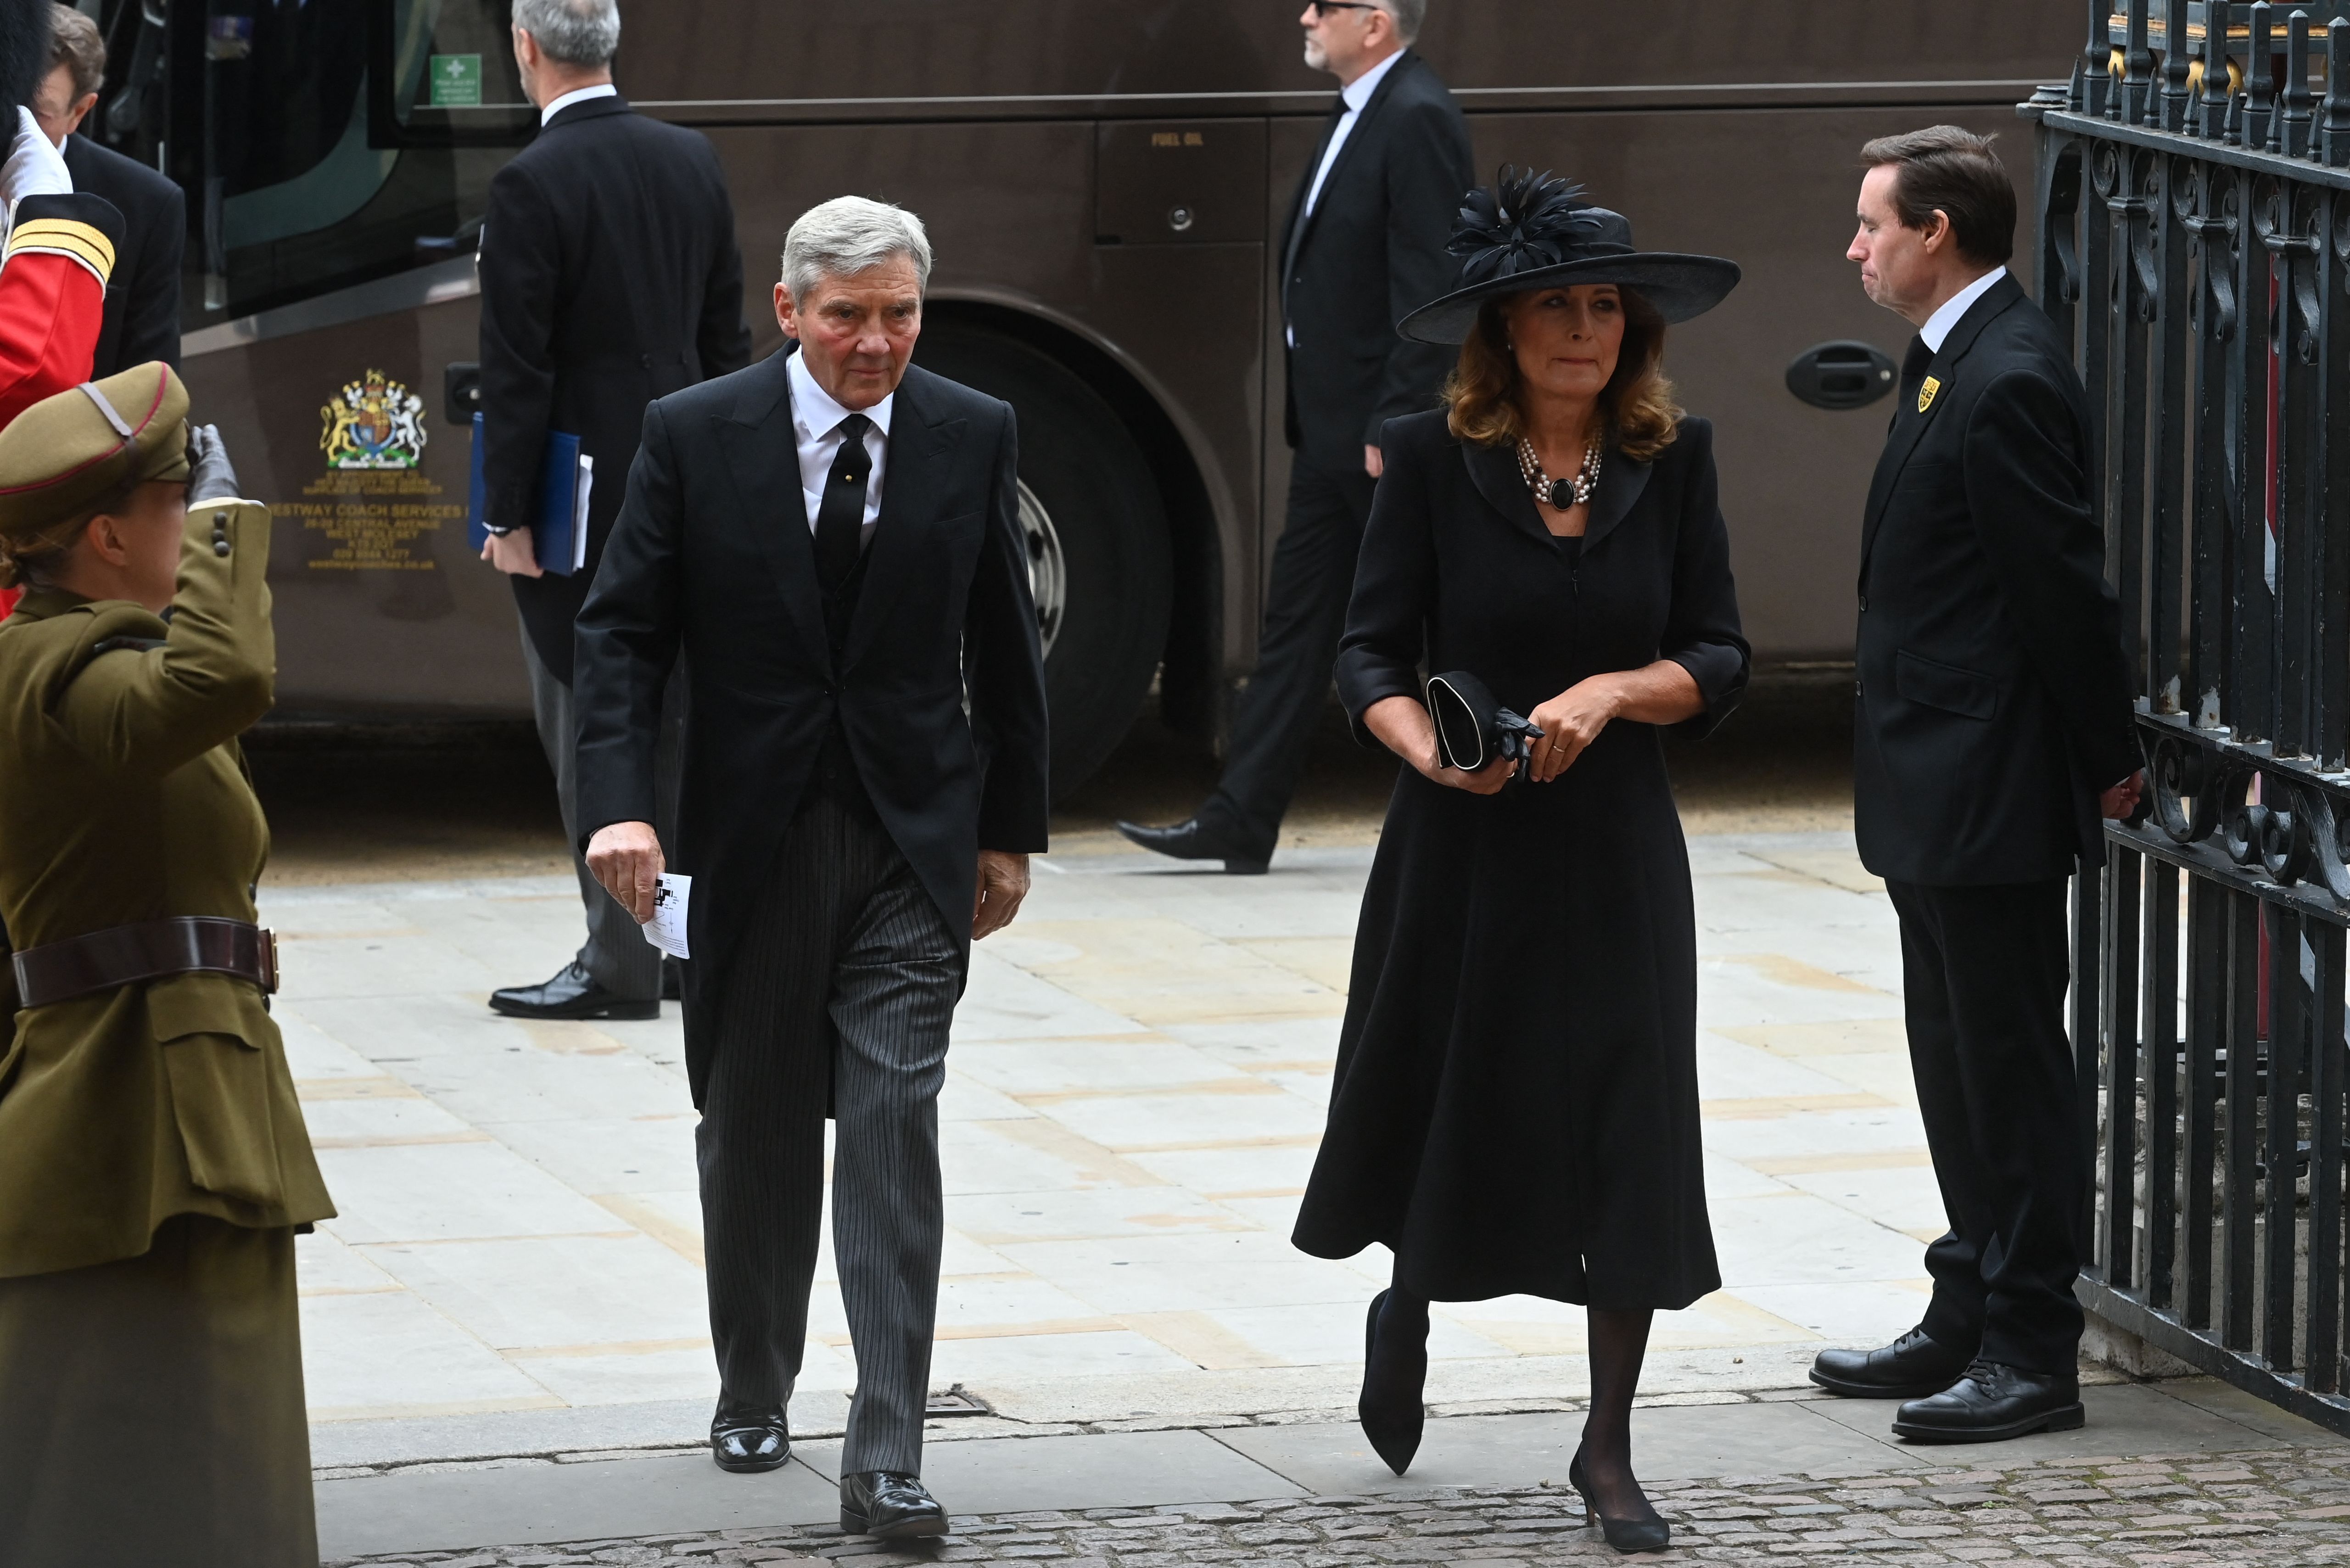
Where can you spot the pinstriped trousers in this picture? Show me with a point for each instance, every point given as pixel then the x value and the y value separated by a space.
pixel 842 988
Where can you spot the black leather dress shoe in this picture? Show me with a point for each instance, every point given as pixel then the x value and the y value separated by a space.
pixel 884 1503
pixel 1911 1367
pixel 1991 1404
pixel 572 993
pixel 1194 840
pixel 1393 1409
pixel 749 1437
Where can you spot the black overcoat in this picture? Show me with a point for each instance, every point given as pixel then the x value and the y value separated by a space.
pixel 1994 699
pixel 1515 1109
pixel 940 686
pixel 609 278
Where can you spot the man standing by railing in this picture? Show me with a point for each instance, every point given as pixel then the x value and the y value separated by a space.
pixel 1993 730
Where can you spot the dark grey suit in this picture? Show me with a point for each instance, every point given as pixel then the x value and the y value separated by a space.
pixel 835 795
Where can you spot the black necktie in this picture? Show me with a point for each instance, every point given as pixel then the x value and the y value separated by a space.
pixel 1913 374
pixel 840 513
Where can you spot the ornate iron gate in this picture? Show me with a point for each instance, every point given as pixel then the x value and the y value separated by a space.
pixel 2194 200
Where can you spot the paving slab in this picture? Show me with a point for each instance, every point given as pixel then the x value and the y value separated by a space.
pixel 1669 1443
pixel 525 1503
pixel 2124 1418
pixel 1109 1469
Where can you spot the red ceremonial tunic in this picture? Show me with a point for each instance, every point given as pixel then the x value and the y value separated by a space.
pixel 52 302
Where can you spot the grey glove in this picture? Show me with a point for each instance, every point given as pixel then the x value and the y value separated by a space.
pixel 210 475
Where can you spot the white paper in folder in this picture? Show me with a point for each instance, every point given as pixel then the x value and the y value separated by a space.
pixel 672 895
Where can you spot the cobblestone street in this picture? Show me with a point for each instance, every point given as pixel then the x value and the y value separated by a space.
pixel 2275 1508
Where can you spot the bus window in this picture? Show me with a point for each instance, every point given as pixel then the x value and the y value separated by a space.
pixel 328 143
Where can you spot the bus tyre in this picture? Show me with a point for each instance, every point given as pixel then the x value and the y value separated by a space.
pixel 1097 551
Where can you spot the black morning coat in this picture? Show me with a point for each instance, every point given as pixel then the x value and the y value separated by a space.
pixel 143 297
pixel 1372 252
pixel 610 278
pixel 711 557
pixel 1994 701
pixel 1515 1108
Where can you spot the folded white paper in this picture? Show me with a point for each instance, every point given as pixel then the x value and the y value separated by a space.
pixel 666 930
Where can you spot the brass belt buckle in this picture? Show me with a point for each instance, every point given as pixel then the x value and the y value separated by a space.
pixel 268 962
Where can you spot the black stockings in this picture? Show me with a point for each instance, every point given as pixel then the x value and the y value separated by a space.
pixel 1618 1341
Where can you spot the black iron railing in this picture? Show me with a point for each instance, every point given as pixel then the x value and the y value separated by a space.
pixel 2193 186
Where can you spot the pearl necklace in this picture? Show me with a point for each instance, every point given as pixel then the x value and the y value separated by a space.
pixel 1561 494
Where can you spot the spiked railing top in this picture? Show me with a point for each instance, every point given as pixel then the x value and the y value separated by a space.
pixel 2267 76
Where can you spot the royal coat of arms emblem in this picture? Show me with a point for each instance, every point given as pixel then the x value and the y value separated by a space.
pixel 373 422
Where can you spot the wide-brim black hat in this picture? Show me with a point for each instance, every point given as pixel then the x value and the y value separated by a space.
pixel 1533 231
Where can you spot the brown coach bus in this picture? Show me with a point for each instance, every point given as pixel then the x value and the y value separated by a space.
pixel 1101 179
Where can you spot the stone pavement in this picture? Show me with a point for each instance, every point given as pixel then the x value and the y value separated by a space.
pixel 2183 1472
pixel 1133 1099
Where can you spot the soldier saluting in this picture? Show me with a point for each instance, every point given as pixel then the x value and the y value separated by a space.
pixel 153 1163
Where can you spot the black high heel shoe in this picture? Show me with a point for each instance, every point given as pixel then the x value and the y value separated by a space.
pixel 1392 1410
pixel 1650 1535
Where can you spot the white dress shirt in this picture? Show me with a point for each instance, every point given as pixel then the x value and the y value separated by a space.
pixel 576 94
pixel 1937 326
pixel 1354 95
pixel 816 422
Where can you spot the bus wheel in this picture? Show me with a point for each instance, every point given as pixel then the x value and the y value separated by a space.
pixel 1097 536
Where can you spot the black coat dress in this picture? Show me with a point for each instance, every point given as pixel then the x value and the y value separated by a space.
pixel 1515 1109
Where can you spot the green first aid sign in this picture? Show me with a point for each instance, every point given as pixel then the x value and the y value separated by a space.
pixel 456 82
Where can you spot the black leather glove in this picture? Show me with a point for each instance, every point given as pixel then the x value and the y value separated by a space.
pixel 210 475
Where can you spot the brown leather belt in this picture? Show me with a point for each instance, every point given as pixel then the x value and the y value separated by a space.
pixel 151 950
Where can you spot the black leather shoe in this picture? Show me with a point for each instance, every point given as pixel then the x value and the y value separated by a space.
pixel 1393 1409
pixel 1991 1404
pixel 749 1437
pixel 1911 1367
pixel 1648 1534
pixel 1194 840
pixel 886 1504
pixel 572 993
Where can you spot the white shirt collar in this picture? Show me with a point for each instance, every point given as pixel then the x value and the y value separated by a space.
pixel 576 94
pixel 1937 326
pixel 815 413
pixel 1358 92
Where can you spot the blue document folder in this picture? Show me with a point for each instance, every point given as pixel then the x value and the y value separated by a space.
pixel 559 534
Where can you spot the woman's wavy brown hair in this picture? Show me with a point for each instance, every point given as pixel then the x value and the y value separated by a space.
pixel 1636 406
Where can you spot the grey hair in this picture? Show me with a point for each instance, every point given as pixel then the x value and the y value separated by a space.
pixel 1408 14
pixel 847 235
pixel 575 32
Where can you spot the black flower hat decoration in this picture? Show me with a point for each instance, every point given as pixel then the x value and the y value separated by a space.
pixel 1524 221
pixel 1531 230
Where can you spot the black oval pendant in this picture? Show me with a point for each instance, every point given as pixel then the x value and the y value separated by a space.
pixel 1561 494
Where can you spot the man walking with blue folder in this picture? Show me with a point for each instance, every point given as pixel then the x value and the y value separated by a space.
pixel 610 278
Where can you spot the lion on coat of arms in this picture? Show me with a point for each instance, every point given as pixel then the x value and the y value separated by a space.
pixel 374 422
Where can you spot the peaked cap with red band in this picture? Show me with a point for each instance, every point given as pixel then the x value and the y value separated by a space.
pixel 67 452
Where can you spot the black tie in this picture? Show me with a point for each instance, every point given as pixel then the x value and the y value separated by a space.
pixel 841 515
pixel 1913 374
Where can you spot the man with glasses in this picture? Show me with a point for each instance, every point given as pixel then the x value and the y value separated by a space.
pixel 1363 249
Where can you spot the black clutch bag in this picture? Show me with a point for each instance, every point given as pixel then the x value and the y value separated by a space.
pixel 1472 728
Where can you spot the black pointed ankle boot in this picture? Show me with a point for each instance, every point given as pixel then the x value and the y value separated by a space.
pixel 1393 1409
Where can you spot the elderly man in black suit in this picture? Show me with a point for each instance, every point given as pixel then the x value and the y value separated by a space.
pixel 1993 732
pixel 142 294
pixel 610 278
pixel 832 541
pixel 1363 248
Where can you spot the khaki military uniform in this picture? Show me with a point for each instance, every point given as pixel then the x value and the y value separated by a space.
pixel 154 1162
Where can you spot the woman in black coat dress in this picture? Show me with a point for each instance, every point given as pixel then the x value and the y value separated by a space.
pixel 1515 1109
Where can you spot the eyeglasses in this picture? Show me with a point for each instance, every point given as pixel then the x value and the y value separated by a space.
pixel 1323 8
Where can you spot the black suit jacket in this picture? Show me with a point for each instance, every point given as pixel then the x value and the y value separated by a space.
pixel 1994 697
pixel 142 297
pixel 712 557
pixel 610 278
pixel 1371 253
